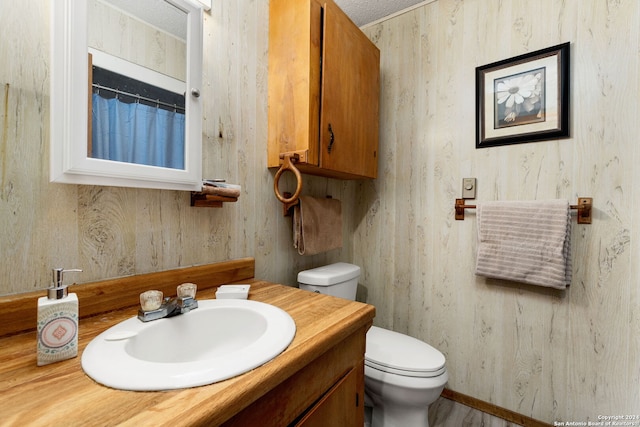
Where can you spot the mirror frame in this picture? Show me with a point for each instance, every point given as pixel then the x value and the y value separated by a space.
pixel 69 113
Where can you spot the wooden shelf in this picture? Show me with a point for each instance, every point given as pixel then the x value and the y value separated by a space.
pixel 202 200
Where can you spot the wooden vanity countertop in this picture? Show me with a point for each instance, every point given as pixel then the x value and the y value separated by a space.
pixel 61 394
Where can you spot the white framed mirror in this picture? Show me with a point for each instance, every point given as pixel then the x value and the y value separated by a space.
pixel 77 32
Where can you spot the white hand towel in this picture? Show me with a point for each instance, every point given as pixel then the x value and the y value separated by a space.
pixel 525 241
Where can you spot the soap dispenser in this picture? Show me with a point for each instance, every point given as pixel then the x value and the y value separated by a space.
pixel 57 322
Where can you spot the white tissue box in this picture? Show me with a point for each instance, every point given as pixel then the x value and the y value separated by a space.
pixel 233 292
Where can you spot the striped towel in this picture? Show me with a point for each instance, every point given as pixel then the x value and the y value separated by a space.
pixel 528 241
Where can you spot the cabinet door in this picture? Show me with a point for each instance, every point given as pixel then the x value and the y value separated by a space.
pixel 342 405
pixel 350 92
pixel 295 40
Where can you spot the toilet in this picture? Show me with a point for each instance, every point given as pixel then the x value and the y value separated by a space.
pixel 403 375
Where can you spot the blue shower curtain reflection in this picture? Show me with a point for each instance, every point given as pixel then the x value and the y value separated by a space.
pixel 137 133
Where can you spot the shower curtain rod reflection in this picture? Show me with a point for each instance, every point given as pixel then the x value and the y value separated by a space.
pixel 138 97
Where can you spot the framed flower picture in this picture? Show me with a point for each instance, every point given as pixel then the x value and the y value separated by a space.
pixel 523 99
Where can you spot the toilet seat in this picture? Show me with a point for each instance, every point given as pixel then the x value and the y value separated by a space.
pixel 400 354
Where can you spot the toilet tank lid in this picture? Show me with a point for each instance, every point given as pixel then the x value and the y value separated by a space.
pixel 329 274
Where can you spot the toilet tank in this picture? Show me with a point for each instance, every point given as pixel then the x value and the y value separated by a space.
pixel 339 280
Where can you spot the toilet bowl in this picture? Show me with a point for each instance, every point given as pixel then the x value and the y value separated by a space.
pixel 403 375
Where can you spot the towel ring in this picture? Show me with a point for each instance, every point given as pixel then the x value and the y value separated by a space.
pixel 287 164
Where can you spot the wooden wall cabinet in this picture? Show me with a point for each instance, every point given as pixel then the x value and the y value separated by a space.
pixel 324 84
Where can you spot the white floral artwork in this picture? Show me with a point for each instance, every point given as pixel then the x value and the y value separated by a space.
pixel 519 99
pixel 524 98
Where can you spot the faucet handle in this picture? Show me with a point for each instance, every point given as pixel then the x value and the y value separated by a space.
pixel 187 290
pixel 151 300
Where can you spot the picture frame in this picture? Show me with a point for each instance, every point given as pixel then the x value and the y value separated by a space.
pixel 524 98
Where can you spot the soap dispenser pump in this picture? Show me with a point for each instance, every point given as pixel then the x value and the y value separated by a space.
pixel 57 321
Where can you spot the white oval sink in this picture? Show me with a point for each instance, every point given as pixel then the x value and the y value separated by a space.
pixel 219 340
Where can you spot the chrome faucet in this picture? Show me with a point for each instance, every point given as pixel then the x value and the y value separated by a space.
pixel 170 307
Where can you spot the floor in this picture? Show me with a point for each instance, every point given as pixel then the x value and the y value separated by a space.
pixel 447 413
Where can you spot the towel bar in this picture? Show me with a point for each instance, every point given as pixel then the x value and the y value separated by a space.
pixel 583 207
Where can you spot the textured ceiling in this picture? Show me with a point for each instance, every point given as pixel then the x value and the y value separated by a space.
pixel 364 12
pixel 167 17
pixel 157 13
